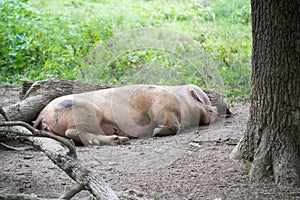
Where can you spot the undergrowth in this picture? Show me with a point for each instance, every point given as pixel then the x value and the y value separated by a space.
pixel 39 45
pixel 43 39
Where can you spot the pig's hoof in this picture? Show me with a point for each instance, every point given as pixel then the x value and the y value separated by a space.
pixel 119 140
pixel 157 131
pixel 162 130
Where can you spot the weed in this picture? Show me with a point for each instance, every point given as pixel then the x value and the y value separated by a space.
pixel 246 171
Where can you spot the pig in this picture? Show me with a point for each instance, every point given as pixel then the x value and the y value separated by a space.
pixel 113 116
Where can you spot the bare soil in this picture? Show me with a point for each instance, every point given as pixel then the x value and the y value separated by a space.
pixel 192 165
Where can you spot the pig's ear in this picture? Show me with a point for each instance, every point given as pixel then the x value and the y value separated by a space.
pixel 196 95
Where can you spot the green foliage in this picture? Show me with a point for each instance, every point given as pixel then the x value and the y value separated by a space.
pixel 35 44
pixel 39 45
pixel 237 11
pixel 246 171
pixel 235 68
pixel 151 67
pixel 176 14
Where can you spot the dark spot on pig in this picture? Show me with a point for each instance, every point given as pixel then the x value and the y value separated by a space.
pixel 143 119
pixel 151 87
pixel 66 103
pixel 55 116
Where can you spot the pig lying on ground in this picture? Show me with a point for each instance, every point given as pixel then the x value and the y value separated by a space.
pixel 112 116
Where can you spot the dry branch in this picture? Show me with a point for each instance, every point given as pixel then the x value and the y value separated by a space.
pixel 20 197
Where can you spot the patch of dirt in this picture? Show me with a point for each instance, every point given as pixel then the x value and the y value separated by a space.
pixel 192 165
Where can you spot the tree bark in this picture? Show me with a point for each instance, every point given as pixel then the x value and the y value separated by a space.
pixel 272 137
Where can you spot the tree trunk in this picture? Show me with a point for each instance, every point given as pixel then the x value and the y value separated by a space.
pixel 272 137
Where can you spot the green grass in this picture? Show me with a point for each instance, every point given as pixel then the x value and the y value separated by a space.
pixel 221 28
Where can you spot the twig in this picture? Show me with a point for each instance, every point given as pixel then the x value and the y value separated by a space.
pixel 4 114
pixel 37 133
pixel 14 148
pixel 20 197
pixel 69 194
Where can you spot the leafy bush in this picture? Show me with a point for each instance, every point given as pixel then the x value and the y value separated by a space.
pixel 39 45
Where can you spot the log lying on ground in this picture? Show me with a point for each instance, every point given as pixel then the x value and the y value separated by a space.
pixel 217 99
pixel 63 157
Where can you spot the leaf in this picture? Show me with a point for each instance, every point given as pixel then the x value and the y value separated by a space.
pixel 47 64
pixel 226 59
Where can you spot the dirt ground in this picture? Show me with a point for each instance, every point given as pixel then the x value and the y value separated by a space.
pixel 191 165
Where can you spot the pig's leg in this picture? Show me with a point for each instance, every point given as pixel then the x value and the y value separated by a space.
pixel 92 139
pixel 166 119
pixel 170 126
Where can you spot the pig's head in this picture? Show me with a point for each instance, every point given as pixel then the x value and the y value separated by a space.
pixel 208 114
